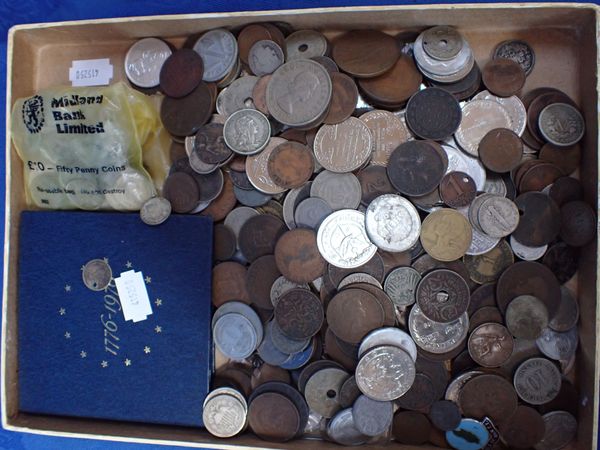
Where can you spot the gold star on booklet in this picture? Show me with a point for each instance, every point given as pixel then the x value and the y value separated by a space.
pixel 127 362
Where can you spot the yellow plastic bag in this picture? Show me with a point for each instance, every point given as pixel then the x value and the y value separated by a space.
pixel 82 147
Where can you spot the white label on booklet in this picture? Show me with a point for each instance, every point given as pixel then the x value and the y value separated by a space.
pixel 133 295
pixel 91 72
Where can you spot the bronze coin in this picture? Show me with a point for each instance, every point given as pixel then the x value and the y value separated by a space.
pixel 298 257
pixel 224 243
pixel 577 223
pixel 524 429
pixel 290 165
pixel 229 283
pixel 488 395
pixel 328 63
pixel 241 180
pixel 483 315
pixel 259 235
pixel 503 77
pixel 373 267
pixel 395 86
pixel 353 313
pixel 177 151
pixel 518 172
pixel 567 158
pixel 487 267
pixel 445 415
pixel 415 168
pixel 566 189
pixel 539 176
pixel 299 314
pixel 464 88
pixel 484 295
pixel 568 399
pixel 273 417
pixel 184 116
pixel 334 348
pixel 389 311
pixel 420 396
pixel 261 275
pixel 210 144
pixel 235 375
pixel 259 94
pixel 223 204
pixel 374 182
pixel 500 150
pixel 443 295
pixel 411 428
pixel 182 191
pixel 539 223
pixel 181 73
pixel 562 260
pixel 294 134
pixel 462 363
pixel 528 278
pixel 249 36
pixel 433 113
pixel 267 373
pixel 344 95
pixel 365 53
pixel 425 263
pixel 238 163
pixel 276 34
pixel 391 260
pixel 490 345
pixel 457 189
pixel 436 371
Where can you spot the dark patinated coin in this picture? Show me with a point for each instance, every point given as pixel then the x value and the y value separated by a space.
pixel 523 429
pixel 539 176
pixel 290 165
pixel 181 73
pixel 184 116
pixel 490 345
pixel 537 105
pixel 420 396
pixel 562 260
pixel 484 295
pixel 464 88
pixel 261 275
pixel 500 150
pixel 311 212
pixel 299 314
pixel 337 350
pixel 411 428
pixel 210 185
pixel 436 371
pixel 273 417
pixel 443 295
pixel 251 197
pixel 374 182
pixel 177 151
pixel 519 51
pixel 372 417
pixel 488 395
pixel 487 267
pixel 415 168
pixel 240 180
pixel 483 315
pixel 286 344
pixel 577 223
pixel 353 313
pixel 568 312
pixel 457 189
pixel 503 77
pixel 445 415
pixel 267 373
pixel 567 158
pixel 223 204
pixel 259 235
pixel 250 35
pixel 182 191
pixel 539 223
pixel 224 242
pixel 565 189
pixel 210 145
pixel 349 392
pixel 365 53
pixel 298 257
pixel 433 114
pixel 343 98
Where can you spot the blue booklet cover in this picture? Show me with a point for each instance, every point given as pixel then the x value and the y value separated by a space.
pixel 77 354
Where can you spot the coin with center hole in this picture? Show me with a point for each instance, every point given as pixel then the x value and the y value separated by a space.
pixel 443 295
pixel 322 391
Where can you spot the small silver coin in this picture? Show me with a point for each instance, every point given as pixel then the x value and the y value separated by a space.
pixel 219 51
pixel 155 211
pixel 537 381
pixel 247 131
pixel 568 311
pixel 265 57
pixel 498 216
pixel 494 184
pixel 96 274
pixel 144 60
pixel 283 285
pixel 244 310
pixel 561 124
pixel 561 428
pixel 560 346
pixel 224 416
pixel 342 430
pixel 526 317
pixel 311 212
pixel 519 51
pixel 359 277
pixel 293 198
pixel 227 391
pixel 442 42
pixel 372 417
pixel 513 106
pixel 480 242
pixel 435 337
pixel 401 285
pixel 235 336
pixel 238 95
pixel 339 190
pixel 388 336
pixel 525 252
pixel 267 350
pixel 392 223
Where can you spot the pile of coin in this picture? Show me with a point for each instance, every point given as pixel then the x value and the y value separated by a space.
pixel 394 246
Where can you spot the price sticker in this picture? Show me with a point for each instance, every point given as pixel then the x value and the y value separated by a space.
pixel 133 295
pixel 91 72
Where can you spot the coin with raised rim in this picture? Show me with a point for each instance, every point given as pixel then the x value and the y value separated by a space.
pixel 392 223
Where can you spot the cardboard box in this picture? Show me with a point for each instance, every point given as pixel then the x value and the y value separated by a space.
pixel 565 37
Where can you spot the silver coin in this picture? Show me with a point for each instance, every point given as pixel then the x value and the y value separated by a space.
pixel 201 206
pixel 247 131
pixel 435 337
pixel 238 95
pixel 286 345
pixel 372 417
pixel 342 430
pixel 392 223
pixel 455 386
pixel 462 73
pixel 257 172
pixel 478 118
pixel 442 68
pixel 237 217
pixel 473 212
pixel 227 391
pixel 244 310
pixel 560 346
pixel 224 416
pixel 267 350
pixel 537 381
pixel 342 239
pixel 513 106
pixel 311 212
pixel 519 51
pixel 317 284
pixel 299 92
pixel 235 336
pixel 189 144
pixel 480 242
pixel 322 390
pixel 568 311
pixel 219 51
pixel 527 253
pixel 494 184
pixel 526 317
pixel 388 130
pixel 359 277
pixel 561 124
pixel 96 274
pixel 388 336
pixel 283 285
pixel 385 373
pixel 442 42
pixel 305 44
pixel 458 161
pixel 251 197
pixel 401 284
pixel 561 428
pixel 293 198
pixel 265 57
pixel 339 190
pixel 155 211
pixel 144 60
pixel 498 216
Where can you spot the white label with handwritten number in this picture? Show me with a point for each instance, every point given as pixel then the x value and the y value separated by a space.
pixel 91 72
pixel 133 295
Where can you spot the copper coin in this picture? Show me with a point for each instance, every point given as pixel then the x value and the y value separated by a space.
pixel 389 312
pixel 299 314
pixel 420 396
pixel 267 373
pixel 457 189
pixel 445 415
pixel 415 168
pixel 568 399
pixel 290 165
pixel 436 371
pixel 503 77
pixel 462 363
pixel 484 315
pixel 531 278
pixel 177 151
pixel 484 295
pixel 411 428
pixel 373 267
pixel 294 134
pixel 229 283
pixel 261 275
pixel 223 204
pixel 259 235
pixel 395 86
pixel 539 223
pixel 249 36
pixel 443 295
pixel 259 94
pixel 523 429
pixel 224 242
pixel 298 257
pixel 566 189
pixel 526 317
pixel 234 374
pixel 273 417
pixel 464 88
pixel 240 180
pixel 538 177
pixel 334 348
pixel 488 395
pixel 562 260
pixel 210 145
pixel 538 104
pixel 374 182
pixel 567 158
pixel 353 313
pixel 328 63
pixel 184 116
pixel 182 191
pixel 343 98
pixel 487 267
pixel 425 263
pixel 500 150
pixel 433 114
pixel 181 73
pixel 490 345
pixel 392 260
pixel 577 223
pixel 365 53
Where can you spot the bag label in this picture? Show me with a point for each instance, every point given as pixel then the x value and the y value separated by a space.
pixel 91 72
pixel 133 295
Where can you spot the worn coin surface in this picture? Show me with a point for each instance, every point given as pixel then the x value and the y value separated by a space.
pixel 577 223
pixel 224 416
pixel 224 243
pixel 560 429
pixel 457 189
pixel 311 212
pixel 372 417
pixel 498 216
pixel 526 317
pixel 343 98
pixel 155 211
pixel 562 260
pixel 238 95
pixel 567 158
pixel 257 168
pixel 459 161
pixel 392 223
pixel 525 252
pixel 144 61
pixel 247 131
pixel 388 336
pixel 401 285
pixel 513 106
pixel 490 345
pixel 210 145
pixel 322 391
pixel 446 234
pixel 519 51
pixel 420 396
pixel 184 116
pixel 362 307
pixel 487 267
pixel 259 235
pixel 478 118
pixel 435 337
pixel 500 150
pixel 97 274
pixel 433 113
pixel 561 124
pixel 273 417
pixel 558 346
pixel 265 57
pixel 445 415
pixel 442 42
pixel 443 295
pixel 281 286
pixel 298 257
pixel 354 52
pixel 181 191
pixel 181 73
pixel 523 429
pixel 537 381
pixel 219 51
pixel 488 395
pixel 567 315
pixel 229 283
pixel 304 44
pixel 539 222
pixel 290 165
pixel 388 132
pixel 411 428
pixel 235 336
pixel 339 190
pixel 299 314
pixel 342 430
pixel 503 77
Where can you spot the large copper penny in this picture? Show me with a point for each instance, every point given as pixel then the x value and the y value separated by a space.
pixel 501 150
pixel 261 275
pixel 182 191
pixel 457 189
pixel 267 373
pixel 483 315
pixel 415 168
pixel 523 429
pixel 526 317
pixel 484 295
pixel 210 144
pixel 539 176
pixel 577 223
pixel 273 417
pixel 374 182
pixel 420 396
pixel 562 260
pixel 411 428
pixel 487 267
pixel 259 94
pixel 353 313
pixel 229 283
pixel 259 235
pixel 344 95
pixel 298 257
pixel 490 345
pixel 365 53
pixel 336 349
pixel 446 235
pixel 433 114
pixel 223 204
pixel 567 158
pixel 181 73
pixel 488 395
pixel 565 189
pixel 224 242
pixel 389 312
pixel 503 77
pixel 539 223
pixel 184 116
pixel 299 314
pixel 290 165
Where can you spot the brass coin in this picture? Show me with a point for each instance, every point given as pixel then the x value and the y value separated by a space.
pixel 490 345
pixel 487 267
pixel 446 234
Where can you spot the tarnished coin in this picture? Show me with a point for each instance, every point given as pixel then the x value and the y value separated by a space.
pixel 388 336
pixel 298 257
pixel 224 243
pixel 519 51
pixel 488 395
pixel 181 73
pixel 420 396
pixel 561 124
pixel 237 307
pixel 433 113
pixel 364 309
pixel 349 392
pixel 459 161
pixel 401 285
pixel 498 216
pixel 442 42
pixel 457 189
pixel 446 234
pixel 343 147
pixel 537 381
pixel 223 204
pixel 565 190
pixel 257 168
pixel 487 267
pixel 343 98
pixel 342 430
pixel 259 94
pixel 342 352
pixel 235 336
pixel 435 337
pixel 184 116
pixel 411 428
pixel 247 131
pixel 144 61
pixel 539 223
pixel 96 274
pixel 500 150
pixel 322 391
pixel 524 429
pixel 343 241
pixel 299 314
pixel 339 190
pixel 273 417
pixel 443 295
pixel 445 415
pixel 155 211
pixel 354 52
pixel 359 277
pixel 259 235
pixel 305 44
pixel 248 36
pixel 485 314
pixel 224 415
pixel 372 417
pixel 567 315
pixel 229 283
pixel 267 373
pixel 290 165
pixel 181 191
pixel 490 345
pixel 388 132
pixel 261 275
pixel 392 223
pixel 567 158
pixel 281 286
pixel 311 212
pixel 373 267
pixel 210 145
pixel 558 346
pixel 237 96
pixel 560 429
pixel 503 77
pixel 513 106
pixel 478 118
pixel 385 373
pixel 577 223
pixel 267 350
pixel 525 252
pixel 562 260
pixel 265 57
pixel 526 317
pixel 219 51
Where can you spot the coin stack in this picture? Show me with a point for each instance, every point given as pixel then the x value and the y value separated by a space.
pixel 396 233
